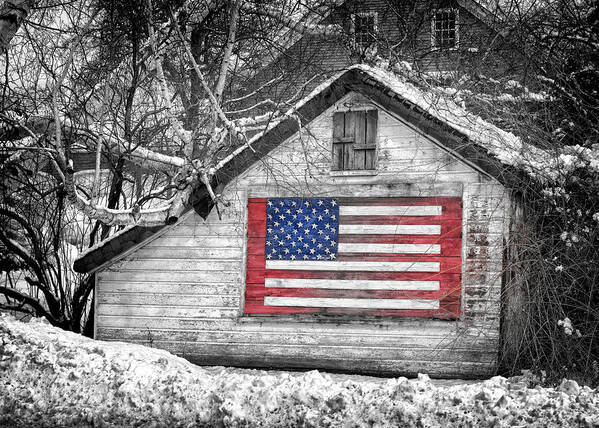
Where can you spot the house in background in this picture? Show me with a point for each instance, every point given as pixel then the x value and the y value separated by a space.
pixel 436 38
pixel 372 239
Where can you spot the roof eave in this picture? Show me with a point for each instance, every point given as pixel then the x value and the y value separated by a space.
pixel 353 79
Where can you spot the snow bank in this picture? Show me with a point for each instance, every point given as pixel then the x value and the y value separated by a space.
pixel 54 378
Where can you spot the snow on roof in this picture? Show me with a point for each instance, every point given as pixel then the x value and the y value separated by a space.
pixel 105 242
pixel 509 149
pixel 504 146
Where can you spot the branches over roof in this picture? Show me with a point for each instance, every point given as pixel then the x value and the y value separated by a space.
pixel 468 136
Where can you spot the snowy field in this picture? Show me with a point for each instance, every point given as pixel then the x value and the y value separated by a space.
pixel 49 377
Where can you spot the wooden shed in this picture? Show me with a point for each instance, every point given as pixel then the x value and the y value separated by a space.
pixel 370 239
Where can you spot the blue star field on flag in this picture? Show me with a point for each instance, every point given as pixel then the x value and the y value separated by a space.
pixel 301 228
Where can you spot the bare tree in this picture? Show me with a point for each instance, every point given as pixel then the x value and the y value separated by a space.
pixel 161 93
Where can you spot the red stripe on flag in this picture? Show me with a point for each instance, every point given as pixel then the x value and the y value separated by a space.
pixel 414 201
pixel 397 219
pixel 255 290
pixel 257 276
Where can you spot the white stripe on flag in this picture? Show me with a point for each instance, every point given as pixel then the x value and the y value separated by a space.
pixel 351 284
pixel 353 266
pixel 390 248
pixel 334 302
pixel 390 229
pixel 390 210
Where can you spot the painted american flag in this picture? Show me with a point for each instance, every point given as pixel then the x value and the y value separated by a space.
pixel 370 256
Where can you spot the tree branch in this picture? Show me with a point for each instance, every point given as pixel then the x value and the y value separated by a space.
pixel 164 92
pixel 25 299
pixel 224 68
pixel 212 98
pixel 299 26
pixel 12 15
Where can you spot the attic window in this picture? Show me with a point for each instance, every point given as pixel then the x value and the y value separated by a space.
pixel 364 27
pixel 354 140
pixel 444 29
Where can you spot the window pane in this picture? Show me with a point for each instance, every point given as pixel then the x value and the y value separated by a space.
pixel 444 25
pixel 364 30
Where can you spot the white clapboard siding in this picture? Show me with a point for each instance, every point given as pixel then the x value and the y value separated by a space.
pixel 232 241
pixel 338 345
pixel 194 253
pixel 183 291
pixel 268 336
pixel 176 311
pixel 182 265
pixel 162 277
pixel 282 326
pixel 163 299
pixel 332 351
pixel 206 288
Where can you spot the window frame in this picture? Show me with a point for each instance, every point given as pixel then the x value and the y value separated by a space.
pixel 357 45
pixel 335 167
pixel 434 42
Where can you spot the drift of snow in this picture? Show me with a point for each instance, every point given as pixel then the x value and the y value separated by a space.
pixel 54 378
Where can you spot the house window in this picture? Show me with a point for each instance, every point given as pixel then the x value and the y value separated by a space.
pixel 354 140
pixel 444 29
pixel 364 27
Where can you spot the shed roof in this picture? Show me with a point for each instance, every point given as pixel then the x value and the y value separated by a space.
pixel 493 151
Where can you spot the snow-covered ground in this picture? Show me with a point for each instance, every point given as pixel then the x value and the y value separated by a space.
pixel 49 377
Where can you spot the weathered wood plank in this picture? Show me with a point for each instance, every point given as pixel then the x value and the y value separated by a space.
pixel 223 288
pixel 269 338
pixel 284 325
pixel 232 241
pixel 359 161
pixel 179 265
pixel 205 228
pixel 163 299
pixel 298 352
pixel 173 311
pixel 424 165
pixel 436 368
pixel 170 276
pixel 421 178
pixel 178 252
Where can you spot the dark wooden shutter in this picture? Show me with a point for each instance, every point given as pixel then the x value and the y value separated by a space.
pixel 370 149
pixel 338 121
pixel 365 146
pixel 354 140
pixel 360 140
pixel 350 138
pixel 343 139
